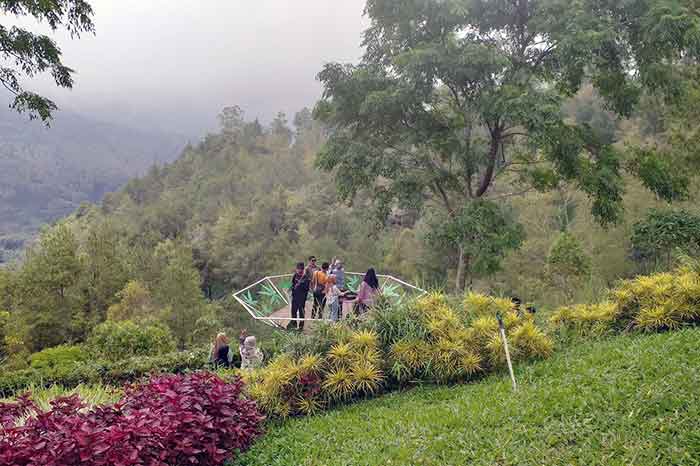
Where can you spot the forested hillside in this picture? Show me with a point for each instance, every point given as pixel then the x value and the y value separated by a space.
pixel 45 173
pixel 248 201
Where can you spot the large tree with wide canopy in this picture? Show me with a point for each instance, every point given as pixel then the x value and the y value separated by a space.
pixel 459 101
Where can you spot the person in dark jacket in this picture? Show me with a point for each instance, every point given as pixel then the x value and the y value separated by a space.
pixel 301 281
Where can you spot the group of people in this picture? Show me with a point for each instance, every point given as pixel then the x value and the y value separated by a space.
pixel 327 284
pixel 222 356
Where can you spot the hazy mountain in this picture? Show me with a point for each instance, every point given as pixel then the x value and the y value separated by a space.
pixel 45 173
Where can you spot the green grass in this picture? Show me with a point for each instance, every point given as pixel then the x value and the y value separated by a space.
pixel 90 394
pixel 629 400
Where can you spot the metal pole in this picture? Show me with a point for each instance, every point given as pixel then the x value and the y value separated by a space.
pixel 502 330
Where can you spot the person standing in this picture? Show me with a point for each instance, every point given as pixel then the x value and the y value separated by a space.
pixel 312 267
pixel 333 295
pixel 318 285
pixel 338 272
pixel 367 292
pixel 300 290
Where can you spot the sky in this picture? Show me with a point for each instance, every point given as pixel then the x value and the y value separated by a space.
pixel 171 65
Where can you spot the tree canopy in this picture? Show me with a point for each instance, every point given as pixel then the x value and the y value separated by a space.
pixel 26 54
pixel 458 100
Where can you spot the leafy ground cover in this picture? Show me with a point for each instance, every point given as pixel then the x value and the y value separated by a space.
pixel 631 399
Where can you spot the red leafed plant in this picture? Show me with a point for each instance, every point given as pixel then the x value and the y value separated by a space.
pixel 172 420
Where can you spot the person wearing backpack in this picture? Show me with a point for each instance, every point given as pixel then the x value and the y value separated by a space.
pixel 318 285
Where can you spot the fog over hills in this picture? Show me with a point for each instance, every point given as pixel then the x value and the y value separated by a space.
pixel 45 173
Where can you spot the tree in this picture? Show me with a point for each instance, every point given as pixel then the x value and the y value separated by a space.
pixel 483 232
pixel 27 54
pixel 232 122
pixel 567 263
pixel 178 290
pixel 662 231
pixel 279 130
pixel 458 101
pixel 47 302
pixel 104 270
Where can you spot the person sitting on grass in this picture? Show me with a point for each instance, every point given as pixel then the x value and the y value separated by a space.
pixel 251 356
pixel 220 352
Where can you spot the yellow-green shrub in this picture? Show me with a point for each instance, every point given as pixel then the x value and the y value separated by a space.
pixel 305 385
pixel 661 301
pixel 587 319
pixel 477 304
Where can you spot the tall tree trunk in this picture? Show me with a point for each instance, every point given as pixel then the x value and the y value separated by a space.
pixel 459 282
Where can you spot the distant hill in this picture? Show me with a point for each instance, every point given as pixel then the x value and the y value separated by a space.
pixel 45 173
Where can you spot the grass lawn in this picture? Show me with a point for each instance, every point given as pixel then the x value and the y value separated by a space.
pixel 629 400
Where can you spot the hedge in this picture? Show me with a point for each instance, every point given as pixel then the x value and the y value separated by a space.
pixel 104 372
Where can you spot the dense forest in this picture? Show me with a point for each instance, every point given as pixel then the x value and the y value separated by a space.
pixel 46 173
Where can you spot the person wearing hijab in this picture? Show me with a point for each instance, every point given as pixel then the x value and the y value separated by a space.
pixel 251 356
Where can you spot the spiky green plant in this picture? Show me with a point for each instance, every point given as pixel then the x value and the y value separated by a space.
pixel 364 340
pixel 308 406
pixel 655 318
pixel 530 342
pixel 338 384
pixel 366 376
pixel 340 355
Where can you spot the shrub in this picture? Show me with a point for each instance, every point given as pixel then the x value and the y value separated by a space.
pixel 662 301
pixel 425 339
pixel 63 356
pixel 292 385
pixel 119 340
pixel 171 420
pixel 105 372
pixel 587 319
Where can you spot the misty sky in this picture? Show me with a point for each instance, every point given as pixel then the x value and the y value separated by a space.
pixel 173 64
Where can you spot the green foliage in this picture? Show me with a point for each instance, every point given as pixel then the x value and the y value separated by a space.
pixel 422 122
pixel 63 355
pixel 658 302
pixel 484 232
pixel 46 287
pixel 114 341
pixel 135 303
pixel 567 263
pixel 103 372
pixel 661 174
pixel 662 231
pixel 567 257
pixel 639 393
pixel 33 54
pixel 91 395
pixel 4 318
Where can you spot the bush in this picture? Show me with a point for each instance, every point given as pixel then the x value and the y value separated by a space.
pixel 105 372
pixel 119 340
pixel 63 356
pixel 304 385
pixel 650 303
pixel 171 420
pixel 428 339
